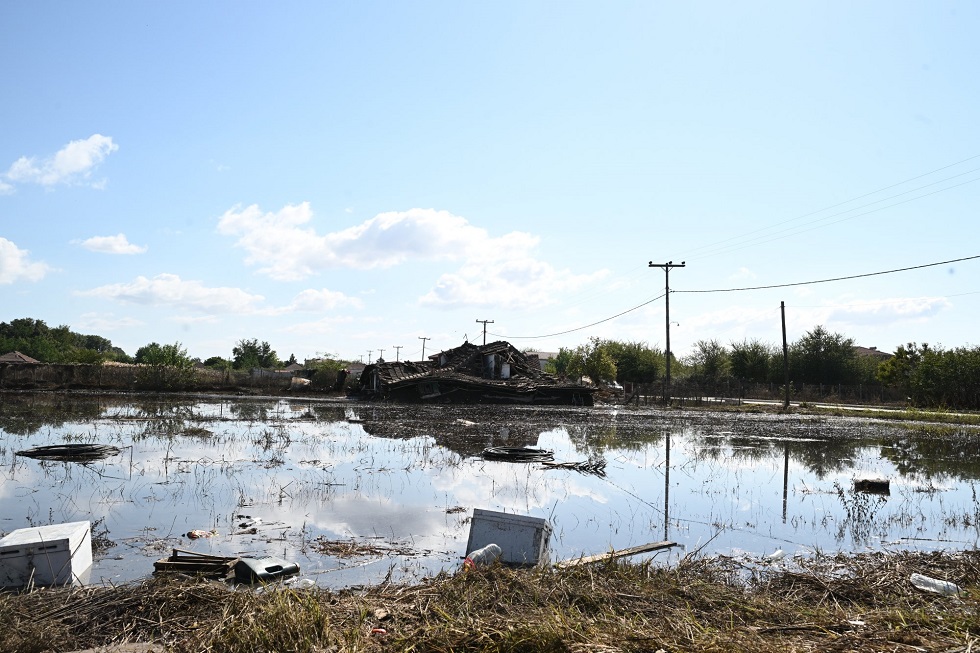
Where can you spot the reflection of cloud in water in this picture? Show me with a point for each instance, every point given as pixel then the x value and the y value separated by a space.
pixel 373 517
pixel 195 465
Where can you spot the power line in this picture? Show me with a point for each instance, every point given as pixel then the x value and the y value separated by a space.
pixel 853 276
pixel 783 285
pixel 795 231
pixel 561 333
pixel 721 244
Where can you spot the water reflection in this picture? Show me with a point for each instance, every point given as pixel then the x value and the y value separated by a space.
pixel 275 477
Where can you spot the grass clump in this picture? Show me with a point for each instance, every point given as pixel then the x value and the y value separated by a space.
pixel 854 603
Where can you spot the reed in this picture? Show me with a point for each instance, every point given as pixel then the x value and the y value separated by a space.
pixel 856 603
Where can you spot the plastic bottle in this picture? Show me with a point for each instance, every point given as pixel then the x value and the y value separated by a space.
pixel 482 557
pixel 934 585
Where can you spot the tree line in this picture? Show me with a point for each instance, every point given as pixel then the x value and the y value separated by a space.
pixel 60 344
pixel 930 376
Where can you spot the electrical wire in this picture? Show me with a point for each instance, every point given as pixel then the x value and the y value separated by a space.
pixel 716 290
pixel 720 245
pixel 561 333
pixel 816 224
pixel 853 276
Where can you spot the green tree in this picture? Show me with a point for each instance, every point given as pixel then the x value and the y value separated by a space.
pixel 248 354
pixel 823 357
pixel 217 363
pixel 164 367
pixel 635 361
pixel 164 356
pixel 753 360
pixel 709 362
pixel 58 345
pixel 559 364
pixel 594 361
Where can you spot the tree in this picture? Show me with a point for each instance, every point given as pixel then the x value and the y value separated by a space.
pixel 709 361
pixel 752 360
pixel 58 345
pixel 164 367
pixel 559 364
pixel 594 361
pixel 635 361
pixel 823 357
pixel 248 354
pixel 217 363
pixel 164 356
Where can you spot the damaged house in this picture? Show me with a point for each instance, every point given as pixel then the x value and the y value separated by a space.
pixel 491 373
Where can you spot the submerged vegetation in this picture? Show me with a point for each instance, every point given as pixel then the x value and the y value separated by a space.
pixel 855 603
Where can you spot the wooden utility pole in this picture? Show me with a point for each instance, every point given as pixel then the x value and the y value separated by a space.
pixel 782 311
pixel 666 267
pixel 370 351
pixel 484 323
pixel 398 349
pixel 423 339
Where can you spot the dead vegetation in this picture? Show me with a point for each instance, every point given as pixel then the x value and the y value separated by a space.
pixel 841 603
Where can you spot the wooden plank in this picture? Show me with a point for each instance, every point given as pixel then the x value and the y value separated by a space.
pixel 633 550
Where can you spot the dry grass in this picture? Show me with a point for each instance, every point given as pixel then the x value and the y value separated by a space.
pixel 842 603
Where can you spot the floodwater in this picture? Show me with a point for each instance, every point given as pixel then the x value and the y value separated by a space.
pixel 358 493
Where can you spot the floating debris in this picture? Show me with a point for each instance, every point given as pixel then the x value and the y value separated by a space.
pixel 76 452
pixel 197 564
pixel 872 485
pixel 518 454
pixel 594 466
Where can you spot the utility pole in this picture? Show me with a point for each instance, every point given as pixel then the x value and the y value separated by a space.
pixel 484 323
pixel 666 267
pixel 423 339
pixel 782 311
pixel 398 349
pixel 370 351
pixel 381 354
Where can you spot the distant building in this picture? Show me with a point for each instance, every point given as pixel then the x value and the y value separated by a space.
pixel 872 352
pixel 542 357
pixel 17 358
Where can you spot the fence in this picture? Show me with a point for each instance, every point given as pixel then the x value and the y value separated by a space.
pixel 121 378
pixel 685 390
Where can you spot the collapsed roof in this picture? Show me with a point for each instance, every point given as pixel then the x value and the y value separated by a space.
pixel 491 373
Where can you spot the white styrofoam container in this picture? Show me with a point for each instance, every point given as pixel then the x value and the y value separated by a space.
pixel 60 554
pixel 522 540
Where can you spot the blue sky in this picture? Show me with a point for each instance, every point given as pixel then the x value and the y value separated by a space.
pixel 345 178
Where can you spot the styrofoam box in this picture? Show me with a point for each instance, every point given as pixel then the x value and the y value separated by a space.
pixel 46 555
pixel 522 540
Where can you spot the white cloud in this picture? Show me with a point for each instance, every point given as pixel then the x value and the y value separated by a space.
pixel 316 301
pixel 886 311
pixel 5 188
pixel 117 244
pixel 518 283
pixel 287 249
pixel 104 322
pixel 171 290
pixel 16 264
pixel 321 300
pixel 326 325
pixel 500 270
pixel 741 275
pixel 72 164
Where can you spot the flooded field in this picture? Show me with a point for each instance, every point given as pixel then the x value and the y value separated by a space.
pixel 356 493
